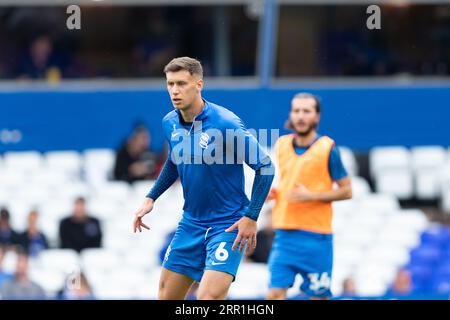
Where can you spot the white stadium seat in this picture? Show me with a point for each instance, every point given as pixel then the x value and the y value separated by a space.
pixel 49 225
pixel 54 178
pixel 427 184
pixel 66 161
pixel 251 281
pixel 386 255
pixel 104 208
pixel 372 280
pixel 408 219
pixel 428 157
pixel 370 288
pixel 360 187
pixel 344 206
pixel 98 165
pixel 393 237
pixel 116 241
pixel 348 252
pixel 391 169
pixel 364 221
pixel 140 259
pixel 429 163
pixel 113 291
pixel 5 194
pixel 349 160
pixel 70 191
pixel 33 194
pixel 354 234
pixel 124 284
pixel 117 191
pixel 389 158
pixel 95 277
pixel 148 290
pixel 62 260
pixel 13 179
pixel 379 203
pixel 141 188
pixel 19 211
pixel 398 182
pixel 9 262
pixel 23 161
pixel 130 279
pixel 100 258
pixel 56 209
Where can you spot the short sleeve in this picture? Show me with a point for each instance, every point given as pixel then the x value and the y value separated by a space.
pixel 335 166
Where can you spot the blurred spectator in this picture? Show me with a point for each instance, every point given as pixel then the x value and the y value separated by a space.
pixel 32 239
pixel 402 285
pixel 76 288
pixel 155 46
pixel 40 63
pixel 264 239
pixel 8 237
pixel 4 276
pixel 80 231
pixel 349 287
pixel 134 160
pixel 21 287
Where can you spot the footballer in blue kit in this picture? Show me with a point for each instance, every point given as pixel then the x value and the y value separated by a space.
pixel 208 145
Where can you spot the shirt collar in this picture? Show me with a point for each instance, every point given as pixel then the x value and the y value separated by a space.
pixel 296 146
pixel 202 115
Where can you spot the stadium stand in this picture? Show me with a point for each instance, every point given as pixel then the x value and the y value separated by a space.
pixel 374 236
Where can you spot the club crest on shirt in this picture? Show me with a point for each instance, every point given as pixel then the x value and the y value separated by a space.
pixel 204 139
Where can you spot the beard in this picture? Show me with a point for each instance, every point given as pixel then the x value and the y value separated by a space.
pixel 307 131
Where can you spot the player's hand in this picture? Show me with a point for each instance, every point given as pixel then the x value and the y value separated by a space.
pixel 146 208
pixel 272 194
pixel 246 234
pixel 300 193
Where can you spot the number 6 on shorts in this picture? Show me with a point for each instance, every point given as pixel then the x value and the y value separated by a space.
pixel 221 252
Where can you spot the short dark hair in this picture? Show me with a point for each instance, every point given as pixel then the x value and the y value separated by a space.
pixel 80 199
pixel 4 214
pixel 306 95
pixel 185 63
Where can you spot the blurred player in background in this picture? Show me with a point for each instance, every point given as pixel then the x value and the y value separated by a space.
pixel 308 165
pixel 218 217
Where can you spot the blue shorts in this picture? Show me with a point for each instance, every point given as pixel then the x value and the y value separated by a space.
pixel 306 253
pixel 197 247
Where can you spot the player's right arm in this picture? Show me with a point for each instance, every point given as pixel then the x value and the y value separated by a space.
pixel 166 178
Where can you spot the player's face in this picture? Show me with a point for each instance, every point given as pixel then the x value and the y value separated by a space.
pixel 183 88
pixel 304 117
pixel 22 265
pixel 79 209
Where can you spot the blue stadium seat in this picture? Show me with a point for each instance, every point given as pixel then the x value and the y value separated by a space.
pixel 425 255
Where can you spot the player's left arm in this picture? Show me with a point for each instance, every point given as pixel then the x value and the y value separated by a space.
pixel 259 161
pixel 340 177
pixel 302 194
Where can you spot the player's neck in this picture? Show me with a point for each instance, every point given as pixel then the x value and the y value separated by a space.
pixel 194 109
pixel 305 140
